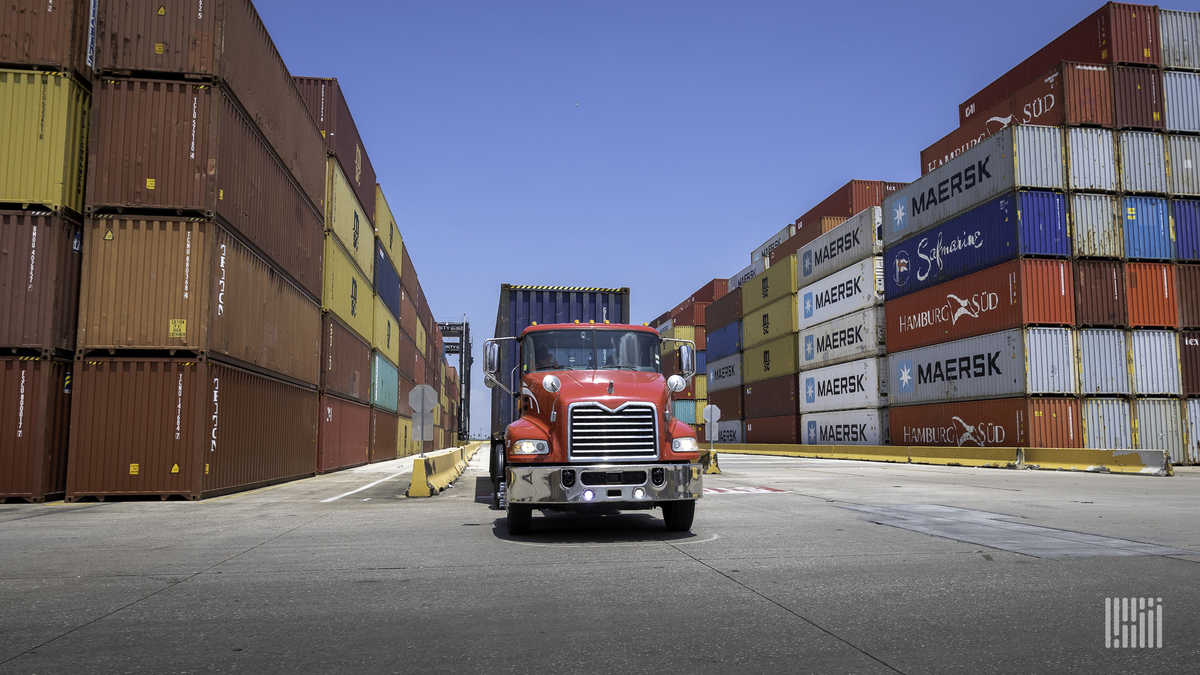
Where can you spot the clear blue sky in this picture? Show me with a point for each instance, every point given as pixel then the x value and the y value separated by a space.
pixel 642 144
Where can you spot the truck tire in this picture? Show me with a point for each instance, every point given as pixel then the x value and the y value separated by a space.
pixel 520 518
pixel 677 515
pixel 496 472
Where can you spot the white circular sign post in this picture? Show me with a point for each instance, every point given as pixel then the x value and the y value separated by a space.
pixel 422 399
pixel 712 415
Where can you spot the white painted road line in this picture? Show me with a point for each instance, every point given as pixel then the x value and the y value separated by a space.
pixel 368 486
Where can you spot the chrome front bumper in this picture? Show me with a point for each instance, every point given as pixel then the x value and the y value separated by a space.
pixel 544 484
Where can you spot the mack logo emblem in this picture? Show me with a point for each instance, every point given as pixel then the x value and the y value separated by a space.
pixel 956 183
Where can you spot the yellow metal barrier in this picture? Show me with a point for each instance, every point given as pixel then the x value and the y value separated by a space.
pixel 709 461
pixel 438 470
pixel 996 458
pixel 1145 462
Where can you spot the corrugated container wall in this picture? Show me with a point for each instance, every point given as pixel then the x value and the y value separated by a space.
pixel 35 402
pixel 326 102
pixel 769 322
pixel 1006 422
pixel 385 386
pixel 43 150
pixel 1192 454
pixel 40 33
pixel 345 360
pixel 772 397
pixel 39 280
pixel 1096 226
pixel 1100 293
pixel 845 386
pixel 724 373
pixel 778 281
pixel 1143 162
pixel 781 429
pixel 1138 97
pixel 1091 156
pixel 1107 423
pixel 346 218
pixel 857 238
pixel 771 359
pixel 1185 222
pixel 854 288
pixel 1189 362
pixel 845 338
pixel 347 292
pixel 1147 228
pixel 1183 152
pixel 731 431
pixel 386 232
pixel 1182 94
pixel 1154 363
pixel 387 281
pixel 764 249
pixel 1151 293
pixel 1188 279
pixel 345 434
pixel 729 401
pixel 1158 425
pixel 1103 362
pixel 1180 39
pixel 845 427
pixel 385 435
pixel 747 273
pixel 385 332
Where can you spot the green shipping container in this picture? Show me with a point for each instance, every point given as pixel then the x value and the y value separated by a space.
pixel 385 383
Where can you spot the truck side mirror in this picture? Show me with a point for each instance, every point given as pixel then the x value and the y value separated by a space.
pixel 687 360
pixel 491 359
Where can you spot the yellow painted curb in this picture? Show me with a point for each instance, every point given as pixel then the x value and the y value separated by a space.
pixel 1144 462
pixel 438 470
pixel 995 458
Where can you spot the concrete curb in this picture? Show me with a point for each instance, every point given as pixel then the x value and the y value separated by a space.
pixel 438 470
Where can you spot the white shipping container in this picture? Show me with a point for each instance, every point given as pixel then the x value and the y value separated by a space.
pixel 1009 363
pixel 856 287
pixel 725 373
pixel 1143 162
pixel 1107 424
pixel 1181 98
pixel 1184 154
pixel 859 237
pixel 764 249
pixel 1180 33
pixel 1158 425
pixel 1154 362
pixel 846 338
pixel 868 426
pixel 1103 362
pixel 1091 156
pixel 748 272
pixel 846 386
pixel 730 431
pixel 666 328
pixel 1096 226
pixel 1192 453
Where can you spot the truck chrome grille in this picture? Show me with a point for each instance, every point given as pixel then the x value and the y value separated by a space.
pixel 599 433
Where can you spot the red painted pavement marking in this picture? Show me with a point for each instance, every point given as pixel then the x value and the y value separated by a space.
pixel 743 490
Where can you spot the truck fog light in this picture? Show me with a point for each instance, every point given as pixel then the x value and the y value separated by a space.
pixel 588 495
pixel 639 493
pixel 568 477
pixel 658 476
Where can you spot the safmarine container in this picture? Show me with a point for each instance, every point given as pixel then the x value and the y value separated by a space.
pixel 1107 423
pixel 857 238
pixel 856 287
pixel 772 397
pixel 326 102
pixel 778 281
pixel 747 273
pixel 729 401
pixel 43 151
pixel 1012 362
pixel 1091 156
pixel 770 359
pixel 1100 293
pixel 346 218
pixel 385 435
pixel 1096 226
pixel 1158 425
pixel 1182 95
pixel 845 386
pixel 1103 362
pixel 1013 294
pixel 385 385
pixel 39 280
pixel 345 360
pixel 1183 152
pixel 845 427
pixel 1016 224
pixel 347 292
pixel 725 341
pixel 764 249
pixel 1151 294
pixel 1154 363
pixel 1005 422
pixel 731 431
pixel 1143 162
pixel 1180 48
pixel 769 322
pixel 35 403
pixel 1188 277
pixel 781 429
pixel 1147 229
pixel 846 338
pixel 1017 157
pixel 1138 97
pixel 344 436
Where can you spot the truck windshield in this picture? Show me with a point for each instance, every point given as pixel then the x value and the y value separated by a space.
pixel 590 350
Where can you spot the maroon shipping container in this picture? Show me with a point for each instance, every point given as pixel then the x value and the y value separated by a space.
pixel 420 372
pixel 1116 33
pixel 781 429
pixel 385 429
pixel 1006 422
pixel 772 397
pixel 1100 293
pixel 406 387
pixel 39 280
pixel 729 401
pixel 35 404
pixel 846 201
pixel 723 312
pixel 177 427
pixel 408 278
pixel 1188 279
pixel 690 314
pixel 225 40
pixel 326 102
pixel 1138 96
pixel 345 360
pixel 702 337
pixel 194 151
pixel 408 354
pixel 344 439
pixel 1189 361
pixel 706 293
pixel 47 33
pixel 1151 294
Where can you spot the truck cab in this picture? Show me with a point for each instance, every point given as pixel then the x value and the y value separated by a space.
pixel 595 428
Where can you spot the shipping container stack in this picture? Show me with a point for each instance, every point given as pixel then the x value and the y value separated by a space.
pixel 830 212
pixel 387 439
pixel 769 362
pixel 687 321
pixel 45 93
pixel 723 340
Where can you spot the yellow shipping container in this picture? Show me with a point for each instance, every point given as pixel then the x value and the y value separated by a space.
pixel 419 338
pixel 43 145
pixel 384 337
pixel 386 231
pixel 404 441
pixel 345 217
pixel 700 386
pixel 346 292
pixel 778 357
pixel 779 280
pixel 700 403
pixel 770 321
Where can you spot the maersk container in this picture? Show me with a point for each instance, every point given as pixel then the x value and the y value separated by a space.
pixel 1180 35
pixel 1192 453
pixel 1158 425
pixel 764 249
pixel 1184 154
pixel 1154 363
pixel 684 409
pixel 854 288
pixel 725 341
pixel 769 322
pixel 1181 93
pixel 846 386
pixel 1147 229
pixel 1103 362
pixel 725 373
pixel 1015 224
pixel 1143 162
pixel 846 338
pixel 859 237
pixel 845 427
pixel 731 431
pixel 1022 156
pixel 1096 227
pixel 1009 363
pixel 385 383
pixel 747 273
pixel 1107 423
pixel 1091 156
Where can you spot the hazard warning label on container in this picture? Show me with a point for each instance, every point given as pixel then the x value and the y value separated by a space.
pixel 177 328
pixel 134 469
pixel 174 468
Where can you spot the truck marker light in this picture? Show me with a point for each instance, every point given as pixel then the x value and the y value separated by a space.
pixel 588 495
pixel 639 493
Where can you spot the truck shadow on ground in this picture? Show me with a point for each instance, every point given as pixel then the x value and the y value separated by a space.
pixel 592 528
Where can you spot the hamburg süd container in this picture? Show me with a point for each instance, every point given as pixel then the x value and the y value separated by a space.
pixel 772 397
pixel 1012 362
pixel 1183 152
pixel 1154 363
pixel 1191 454
pixel 729 401
pixel 35 403
pixel 1182 94
pixel 55 34
pixel 1188 278
pixel 854 288
pixel 385 438
pixel 170 283
pixel 1013 294
pixel 43 151
pixel 1013 225
pixel 726 340
pixel 1180 47
pixel 1107 423
pixel 770 359
pixel 348 293
pixel 779 280
pixel 198 153
pixel 1005 422
pixel 1103 362
pixel 769 322
pixel 1138 97
pixel 1091 158
pixel 344 436
pixel 1100 293
pixel 1143 162
pixel 1158 424
pixel 763 250
pixel 1015 158
pixel 385 333
pixel 39 280
pixel 1096 226
pixel 345 360
pixel 731 431
pixel 1147 228
pixel 326 102
pixel 1151 293
pixel 346 218
pixel 386 233
pixel 858 237
pixel 845 427
pixel 385 385
pixel 227 41
pixel 845 386
pixel 155 426
pixel 846 338
pixel 781 429
pixel 747 273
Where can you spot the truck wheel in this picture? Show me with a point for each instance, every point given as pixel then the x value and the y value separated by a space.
pixel 496 471
pixel 520 517
pixel 678 515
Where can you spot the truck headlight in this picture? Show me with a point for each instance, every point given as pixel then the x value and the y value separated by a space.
pixel 685 445
pixel 530 448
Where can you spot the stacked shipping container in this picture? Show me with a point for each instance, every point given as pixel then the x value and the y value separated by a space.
pixel 688 321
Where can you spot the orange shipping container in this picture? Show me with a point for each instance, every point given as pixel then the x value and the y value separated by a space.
pixel 1151 295
pixel 1007 422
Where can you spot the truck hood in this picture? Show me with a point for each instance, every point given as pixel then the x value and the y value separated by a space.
pixel 593 385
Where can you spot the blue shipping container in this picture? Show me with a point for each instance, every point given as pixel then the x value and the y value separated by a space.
pixel 387 282
pixel 1147 229
pixel 685 410
pixel 724 341
pixel 1185 222
pixel 701 361
pixel 1016 224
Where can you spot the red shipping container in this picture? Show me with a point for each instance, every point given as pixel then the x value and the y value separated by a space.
pixel 723 312
pixel 345 360
pixel 729 401
pixel 345 434
pixel 1116 33
pixel 774 397
pixel 1188 279
pixel 702 337
pixel 690 314
pixel 1100 293
pixel 46 33
pixel 1006 422
pixel 385 427
pixel 406 387
pixel 1010 295
pixel 326 102
pixel 35 404
pixel 706 293
pixel 39 280
pixel 846 201
pixel 782 429
pixel 1189 360
pixel 1150 294
pixel 1138 95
